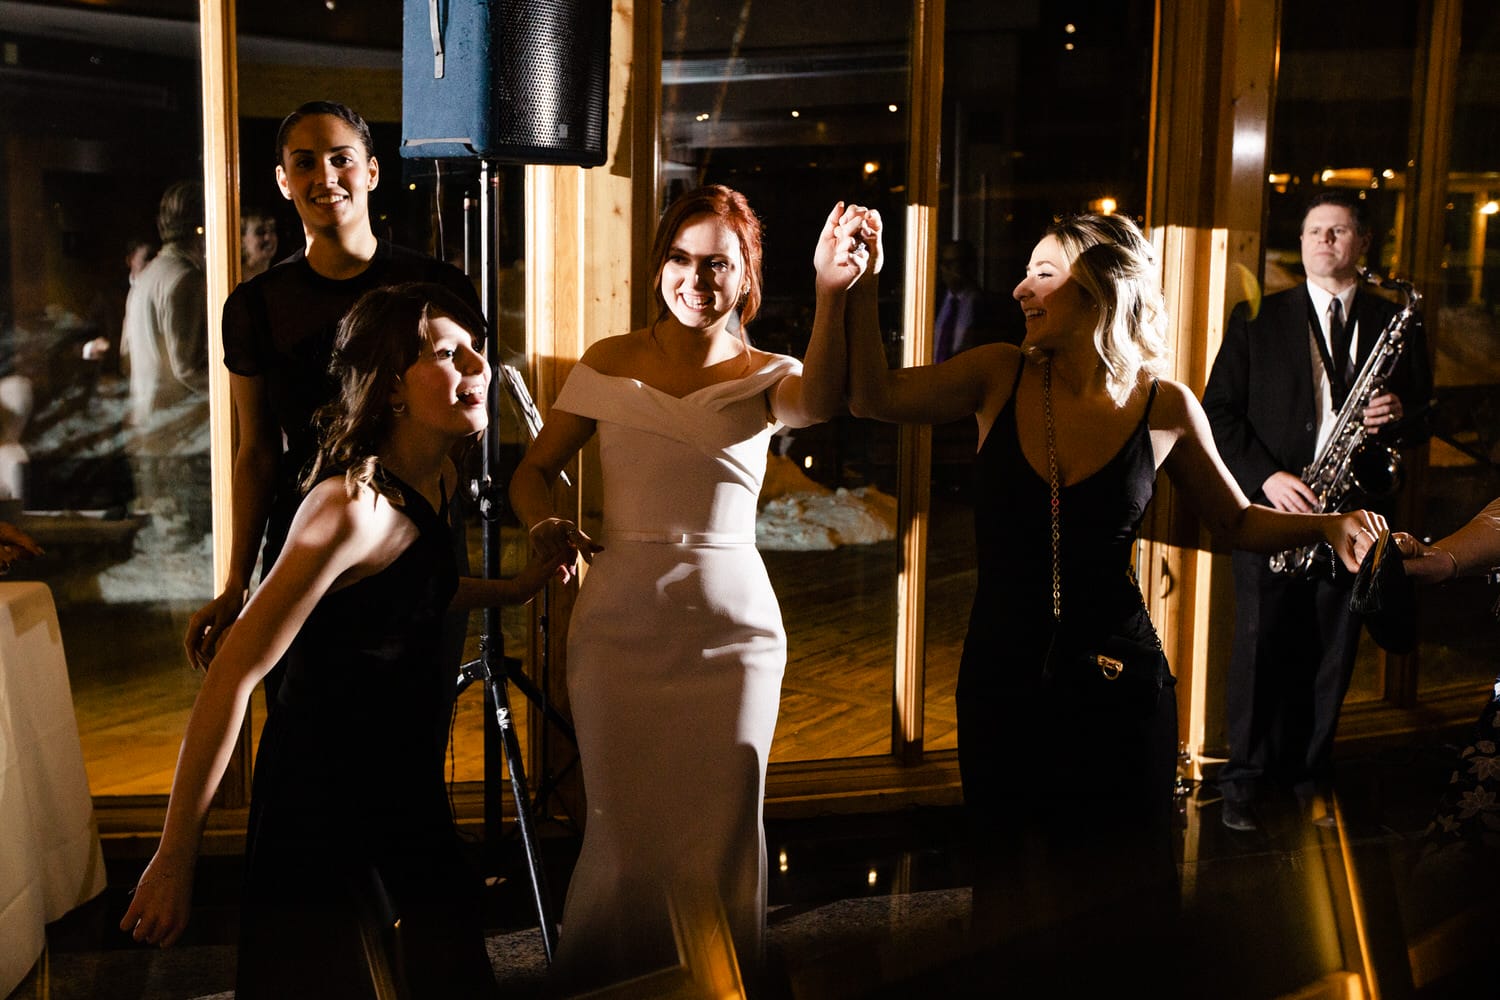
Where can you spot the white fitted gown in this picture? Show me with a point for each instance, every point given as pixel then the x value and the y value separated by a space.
pixel 675 657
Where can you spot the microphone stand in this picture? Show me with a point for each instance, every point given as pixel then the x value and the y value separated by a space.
pixel 501 744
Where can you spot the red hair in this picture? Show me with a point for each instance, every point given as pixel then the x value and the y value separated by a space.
pixel 731 209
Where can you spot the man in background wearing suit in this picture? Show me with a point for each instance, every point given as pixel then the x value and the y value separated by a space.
pixel 1276 387
pixel 967 315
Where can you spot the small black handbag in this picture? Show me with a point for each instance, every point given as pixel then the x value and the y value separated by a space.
pixel 1115 675
pixel 1383 597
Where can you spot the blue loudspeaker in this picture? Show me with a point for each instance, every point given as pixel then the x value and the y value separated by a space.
pixel 519 81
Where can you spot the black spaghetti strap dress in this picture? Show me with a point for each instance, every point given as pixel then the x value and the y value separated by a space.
pixel 1072 809
pixel 350 826
pixel 280 326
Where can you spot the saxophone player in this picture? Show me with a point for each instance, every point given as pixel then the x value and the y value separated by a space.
pixel 1275 391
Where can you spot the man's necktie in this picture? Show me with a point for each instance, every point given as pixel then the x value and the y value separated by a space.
pixel 947 320
pixel 1339 335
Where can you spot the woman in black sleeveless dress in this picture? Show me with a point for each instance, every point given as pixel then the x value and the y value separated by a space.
pixel 1071 800
pixel 350 830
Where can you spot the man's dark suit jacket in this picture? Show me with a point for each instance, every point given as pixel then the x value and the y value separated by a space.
pixel 1260 394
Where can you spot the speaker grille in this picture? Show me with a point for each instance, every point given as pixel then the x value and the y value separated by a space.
pixel 554 76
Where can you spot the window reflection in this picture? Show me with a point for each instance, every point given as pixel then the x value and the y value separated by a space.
pixel 102 315
pixel 100 111
pixel 1043 114
pixel 1343 118
pixel 1464 471
pixel 799 110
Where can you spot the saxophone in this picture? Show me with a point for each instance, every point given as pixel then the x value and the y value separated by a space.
pixel 1348 459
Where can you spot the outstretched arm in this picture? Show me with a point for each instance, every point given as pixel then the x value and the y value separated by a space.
pixel 1473 548
pixel 838 261
pixel 474 592
pixel 929 394
pixel 553 539
pixel 1195 467
pixel 330 535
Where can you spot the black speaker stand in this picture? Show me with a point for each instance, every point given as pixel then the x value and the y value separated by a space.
pixel 502 746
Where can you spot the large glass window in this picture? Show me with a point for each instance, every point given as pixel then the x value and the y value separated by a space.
pixel 1464 471
pixel 100 116
pixel 103 369
pixel 1344 118
pixel 354 56
pixel 799 110
pixel 1045 112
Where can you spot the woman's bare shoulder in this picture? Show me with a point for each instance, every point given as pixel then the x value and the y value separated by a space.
pixel 1176 407
pixel 334 512
pixel 1174 395
pixel 615 355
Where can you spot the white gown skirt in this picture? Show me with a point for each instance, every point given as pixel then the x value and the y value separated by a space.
pixel 675 659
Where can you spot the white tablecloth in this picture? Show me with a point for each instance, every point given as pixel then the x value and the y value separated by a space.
pixel 50 859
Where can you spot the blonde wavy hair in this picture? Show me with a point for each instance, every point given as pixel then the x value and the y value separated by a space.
pixel 1116 266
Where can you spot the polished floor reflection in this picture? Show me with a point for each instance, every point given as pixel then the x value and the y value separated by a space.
pixel 878 906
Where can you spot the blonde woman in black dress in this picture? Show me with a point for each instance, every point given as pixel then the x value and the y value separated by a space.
pixel 1071 799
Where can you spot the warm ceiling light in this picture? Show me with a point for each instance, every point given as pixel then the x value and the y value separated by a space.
pixel 1489 208
pixel 1070 28
pixel 891 108
pixel 871 167
pixel 796 114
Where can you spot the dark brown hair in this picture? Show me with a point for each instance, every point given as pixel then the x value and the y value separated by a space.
pixel 343 112
pixel 1346 200
pixel 379 338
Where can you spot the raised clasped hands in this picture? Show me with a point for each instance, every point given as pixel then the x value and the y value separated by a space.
pixel 847 248
pixel 559 542
pixel 869 234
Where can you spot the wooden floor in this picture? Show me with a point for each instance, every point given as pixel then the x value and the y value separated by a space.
pixel 133 689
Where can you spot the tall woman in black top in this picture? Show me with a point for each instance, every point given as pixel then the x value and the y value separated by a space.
pixel 279 329
pixel 1072 802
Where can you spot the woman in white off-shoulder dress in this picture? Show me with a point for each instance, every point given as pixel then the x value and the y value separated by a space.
pixel 676 648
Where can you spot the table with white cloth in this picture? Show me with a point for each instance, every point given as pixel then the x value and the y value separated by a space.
pixel 50 860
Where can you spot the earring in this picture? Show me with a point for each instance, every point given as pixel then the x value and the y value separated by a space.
pixel 399 409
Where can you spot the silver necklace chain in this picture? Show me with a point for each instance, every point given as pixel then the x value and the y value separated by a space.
pixel 1056 492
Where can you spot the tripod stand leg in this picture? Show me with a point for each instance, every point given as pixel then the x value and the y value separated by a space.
pixel 500 700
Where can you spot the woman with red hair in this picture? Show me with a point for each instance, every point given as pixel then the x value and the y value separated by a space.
pixel 676 647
